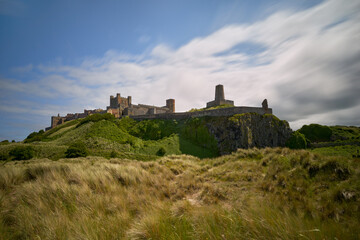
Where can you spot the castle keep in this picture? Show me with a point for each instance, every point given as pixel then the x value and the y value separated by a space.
pixel 122 106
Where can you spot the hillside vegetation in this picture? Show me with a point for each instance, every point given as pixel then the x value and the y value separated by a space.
pixel 251 194
pixel 105 136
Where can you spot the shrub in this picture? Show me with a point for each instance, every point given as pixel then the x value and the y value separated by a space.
pixel 153 129
pixel 96 118
pixel 126 123
pixel 296 141
pixel 35 136
pixel 4 142
pixel 4 156
pixel 113 154
pixel 22 153
pixel 77 149
pixel 161 151
pixel 316 132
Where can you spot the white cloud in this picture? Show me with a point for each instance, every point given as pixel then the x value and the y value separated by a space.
pixel 307 66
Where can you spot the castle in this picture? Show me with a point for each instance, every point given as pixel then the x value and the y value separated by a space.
pixel 121 106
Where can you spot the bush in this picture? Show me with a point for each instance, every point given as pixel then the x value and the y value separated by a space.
pixel 96 118
pixel 316 132
pixel 153 129
pixel 113 154
pixel 4 142
pixel 77 149
pixel 296 141
pixel 4 156
pixel 22 153
pixel 35 136
pixel 161 151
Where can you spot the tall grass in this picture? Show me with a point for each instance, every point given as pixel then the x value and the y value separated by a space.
pixel 250 194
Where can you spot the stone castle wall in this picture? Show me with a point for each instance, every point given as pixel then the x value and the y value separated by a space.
pixel 214 113
pixel 142 109
pixel 57 120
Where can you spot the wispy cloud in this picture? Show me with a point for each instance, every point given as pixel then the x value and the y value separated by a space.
pixel 306 63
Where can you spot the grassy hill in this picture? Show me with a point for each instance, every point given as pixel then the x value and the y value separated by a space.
pixel 125 138
pixel 106 136
pixel 332 140
pixel 251 194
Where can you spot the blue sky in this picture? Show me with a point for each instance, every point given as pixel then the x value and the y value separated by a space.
pixel 65 56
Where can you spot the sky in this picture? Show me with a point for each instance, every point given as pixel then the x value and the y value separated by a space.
pixel 65 56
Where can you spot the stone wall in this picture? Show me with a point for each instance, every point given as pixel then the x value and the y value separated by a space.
pixel 215 113
pixel 142 109
pixel 57 120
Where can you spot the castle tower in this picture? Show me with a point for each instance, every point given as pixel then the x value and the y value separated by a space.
pixel 118 99
pixel 113 103
pixel 219 93
pixel 219 98
pixel 170 103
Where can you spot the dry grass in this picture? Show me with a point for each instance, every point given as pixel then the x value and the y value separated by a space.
pixel 176 197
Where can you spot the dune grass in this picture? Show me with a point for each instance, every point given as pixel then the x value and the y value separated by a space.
pixel 250 194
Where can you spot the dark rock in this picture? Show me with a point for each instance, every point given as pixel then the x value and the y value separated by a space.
pixel 247 131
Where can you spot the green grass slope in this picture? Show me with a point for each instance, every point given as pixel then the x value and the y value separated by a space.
pixel 106 136
pixel 318 133
pixel 250 194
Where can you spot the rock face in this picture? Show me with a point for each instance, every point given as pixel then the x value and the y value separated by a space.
pixel 248 130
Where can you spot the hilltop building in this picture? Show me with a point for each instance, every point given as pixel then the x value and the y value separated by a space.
pixel 122 106
pixel 119 107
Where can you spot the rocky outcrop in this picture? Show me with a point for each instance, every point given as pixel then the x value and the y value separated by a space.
pixel 248 130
